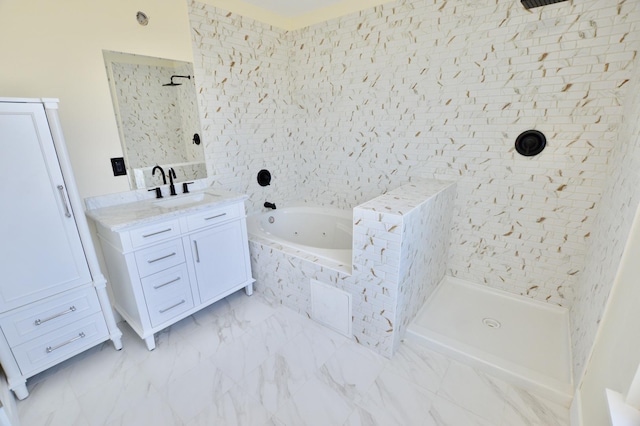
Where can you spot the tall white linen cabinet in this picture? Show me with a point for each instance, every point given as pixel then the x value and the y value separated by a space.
pixel 53 298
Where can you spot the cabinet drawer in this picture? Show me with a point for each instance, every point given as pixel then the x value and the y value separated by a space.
pixel 213 216
pixel 153 233
pixel 157 286
pixel 60 344
pixel 170 305
pixel 40 318
pixel 159 257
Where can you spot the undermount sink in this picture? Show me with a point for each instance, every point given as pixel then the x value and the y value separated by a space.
pixel 183 200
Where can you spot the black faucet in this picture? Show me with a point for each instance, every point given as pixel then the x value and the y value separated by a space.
pixel 164 178
pixel 269 205
pixel 172 176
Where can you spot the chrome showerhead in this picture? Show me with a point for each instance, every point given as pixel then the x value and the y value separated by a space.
pixel 172 83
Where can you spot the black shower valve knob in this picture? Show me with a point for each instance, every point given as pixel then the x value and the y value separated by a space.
pixel 530 143
pixel 264 177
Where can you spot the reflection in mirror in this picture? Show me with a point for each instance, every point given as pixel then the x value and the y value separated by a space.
pixel 155 104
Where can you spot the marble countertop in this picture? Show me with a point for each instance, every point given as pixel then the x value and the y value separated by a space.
pixel 121 216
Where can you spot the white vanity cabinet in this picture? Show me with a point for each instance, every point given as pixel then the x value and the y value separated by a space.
pixel 165 270
pixel 53 299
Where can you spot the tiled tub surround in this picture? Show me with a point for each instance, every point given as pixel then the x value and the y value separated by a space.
pixel 400 242
pixel 442 89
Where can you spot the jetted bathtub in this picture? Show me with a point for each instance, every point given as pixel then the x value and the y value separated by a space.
pixel 319 231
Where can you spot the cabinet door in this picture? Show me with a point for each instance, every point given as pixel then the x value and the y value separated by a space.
pixel 41 253
pixel 220 258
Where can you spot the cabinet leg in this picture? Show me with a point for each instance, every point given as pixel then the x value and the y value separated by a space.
pixel 117 342
pixel 21 391
pixel 249 289
pixel 151 342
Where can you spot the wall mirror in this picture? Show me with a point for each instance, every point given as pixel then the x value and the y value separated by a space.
pixel 155 105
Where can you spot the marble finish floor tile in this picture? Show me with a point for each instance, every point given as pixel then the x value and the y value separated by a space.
pixel 394 400
pixel 243 361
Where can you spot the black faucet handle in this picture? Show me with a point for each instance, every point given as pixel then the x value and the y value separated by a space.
pixel 172 176
pixel 158 192
pixel 185 187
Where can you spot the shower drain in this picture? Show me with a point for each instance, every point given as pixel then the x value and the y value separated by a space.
pixel 491 323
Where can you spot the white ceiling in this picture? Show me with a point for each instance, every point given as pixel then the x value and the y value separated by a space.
pixel 294 14
pixel 291 8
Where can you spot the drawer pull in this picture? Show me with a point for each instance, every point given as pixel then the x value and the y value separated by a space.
pixel 155 287
pixel 213 217
pixel 68 311
pixel 195 245
pixel 162 311
pixel 156 233
pixel 67 213
pixel 53 348
pixel 161 258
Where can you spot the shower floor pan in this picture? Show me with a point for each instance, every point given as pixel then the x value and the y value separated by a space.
pixel 523 341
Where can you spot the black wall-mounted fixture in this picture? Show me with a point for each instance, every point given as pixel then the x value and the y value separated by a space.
pixel 117 165
pixel 264 177
pixel 530 4
pixel 196 139
pixel 530 143
pixel 173 83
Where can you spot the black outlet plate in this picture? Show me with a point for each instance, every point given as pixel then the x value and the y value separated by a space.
pixel 117 164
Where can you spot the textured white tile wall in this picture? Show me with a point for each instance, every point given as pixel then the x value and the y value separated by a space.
pixel 347 109
pixel 401 241
pixel 242 71
pixel 611 228
pixel 426 232
pixel 443 88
